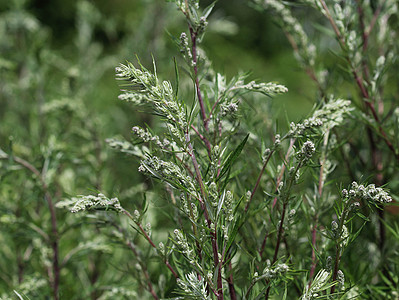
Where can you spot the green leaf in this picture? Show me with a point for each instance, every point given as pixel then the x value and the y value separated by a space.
pixel 208 10
pixel 232 158
pixel 177 77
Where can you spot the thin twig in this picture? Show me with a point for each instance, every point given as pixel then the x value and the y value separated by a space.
pixel 258 181
pixel 199 95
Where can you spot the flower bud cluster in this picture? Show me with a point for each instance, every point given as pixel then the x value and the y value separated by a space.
pixel 248 196
pixel 213 194
pixel 369 193
pixel 193 286
pixel 99 202
pixel 136 216
pixel 147 229
pixel 225 230
pixel 228 206
pixel 202 25
pixel 194 211
pixel 339 17
pixel 161 248
pixel 266 154
pixel 184 204
pixel 341 280
pixel 168 170
pixel 229 109
pixel 298 129
pixel 160 95
pixel 141 80
pixel 272 273
pixel 184 47
pixel 181 241
pixel 135 98
pixel 124 146
pixel 306 152
pixel 277 141
pixel 268 89
pixel 320 280
pixel 147 136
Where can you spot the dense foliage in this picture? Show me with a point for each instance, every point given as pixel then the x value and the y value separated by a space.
pixel 214 193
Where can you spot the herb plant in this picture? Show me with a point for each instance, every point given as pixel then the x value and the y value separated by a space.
pixel 233 204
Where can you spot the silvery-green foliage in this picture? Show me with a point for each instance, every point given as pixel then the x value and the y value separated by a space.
pixel 33 286
pixel 229 209
pixel 192 288
pixel 320 283
pixel 98 202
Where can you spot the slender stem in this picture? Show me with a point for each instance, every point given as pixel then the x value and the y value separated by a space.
pixel 151 242
pixel 199 95
pixel 230 282
pixel 374 20
pixel 217 263
pixel 145 271
pixel 204 139
pixel 285 198
pixel 280 177
pixel 360 12
pixel 276 249
pixel 258 180
pixel 336 265
pixel 314 262
pixel 262 247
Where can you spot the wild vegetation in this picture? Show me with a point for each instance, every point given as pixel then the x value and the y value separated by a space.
pixel 214 193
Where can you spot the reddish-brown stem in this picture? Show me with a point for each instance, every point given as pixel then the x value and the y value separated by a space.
pixel 336 265
pixel 199 95
pixel 374 20
pixel 146 235
pixel 204 139
pixel 262 247
pixel 151 242
pixel 279 236
pixel 230 282
pixel 217 263
pixel 144 269
pixel 153 245
pixel 258 181
pixel 280 177
pixel 314 263
pixel 364 39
